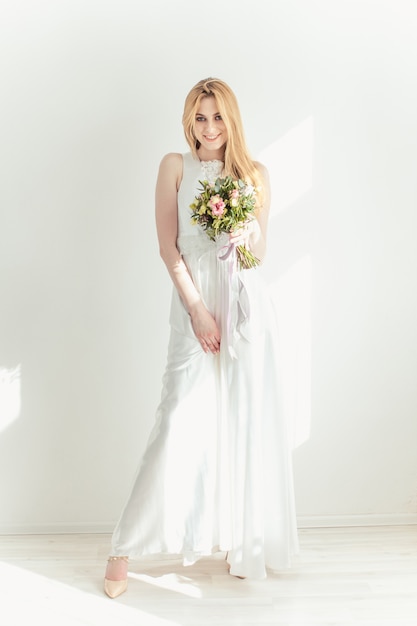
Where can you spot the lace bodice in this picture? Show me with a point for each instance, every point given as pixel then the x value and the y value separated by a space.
pixel 212 169
pixel 194 172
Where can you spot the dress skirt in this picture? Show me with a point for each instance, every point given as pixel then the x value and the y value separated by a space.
pixel 216 473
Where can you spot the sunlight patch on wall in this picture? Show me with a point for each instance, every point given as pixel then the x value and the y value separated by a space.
pixel 291 295
pixel 10 400
pixel 289 161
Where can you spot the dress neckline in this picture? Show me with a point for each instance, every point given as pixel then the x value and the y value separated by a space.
pixel 211 169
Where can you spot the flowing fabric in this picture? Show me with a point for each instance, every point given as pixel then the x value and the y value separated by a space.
pixel 216 473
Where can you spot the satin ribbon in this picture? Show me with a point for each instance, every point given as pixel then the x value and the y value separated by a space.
pixel 231 288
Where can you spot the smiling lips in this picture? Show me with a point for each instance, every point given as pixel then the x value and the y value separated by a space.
pixel 211 137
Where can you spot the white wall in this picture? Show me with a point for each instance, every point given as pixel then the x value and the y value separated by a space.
pixel 92 96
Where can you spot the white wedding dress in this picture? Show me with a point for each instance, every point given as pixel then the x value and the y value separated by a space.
pixel 216 474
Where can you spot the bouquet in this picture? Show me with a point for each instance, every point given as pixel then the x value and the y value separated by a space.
pixel 223 206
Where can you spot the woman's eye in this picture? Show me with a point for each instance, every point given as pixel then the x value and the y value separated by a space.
pixel 218 117
pixel 200 118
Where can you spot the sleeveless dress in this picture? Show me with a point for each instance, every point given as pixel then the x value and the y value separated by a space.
pixel 216 473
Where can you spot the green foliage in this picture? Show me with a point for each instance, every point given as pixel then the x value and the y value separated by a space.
pixel 224 206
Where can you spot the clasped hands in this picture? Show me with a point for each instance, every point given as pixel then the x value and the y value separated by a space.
pixel 205 328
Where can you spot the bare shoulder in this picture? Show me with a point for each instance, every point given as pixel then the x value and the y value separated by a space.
pixel 265 191
pixel 172 162
pixel 262 169
pixel 172 157
pixel 170 168
pixel 264 175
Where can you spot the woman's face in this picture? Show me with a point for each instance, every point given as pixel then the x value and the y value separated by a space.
pixel 210 130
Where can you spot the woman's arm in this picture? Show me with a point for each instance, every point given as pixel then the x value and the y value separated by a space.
pixel 254 234
pixel 166 213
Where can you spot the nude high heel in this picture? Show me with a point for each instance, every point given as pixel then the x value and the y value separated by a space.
pixel 115 588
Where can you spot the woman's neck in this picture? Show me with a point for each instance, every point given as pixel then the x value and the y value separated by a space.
pixel 210 155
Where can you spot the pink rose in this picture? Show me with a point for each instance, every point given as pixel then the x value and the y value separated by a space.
pixel 218 209
pixel 217 205
pixel 234 194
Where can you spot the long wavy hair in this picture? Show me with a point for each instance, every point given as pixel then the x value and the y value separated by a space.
pixel 237 159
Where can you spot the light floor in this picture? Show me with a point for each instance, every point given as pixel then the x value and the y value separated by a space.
pixel 343 576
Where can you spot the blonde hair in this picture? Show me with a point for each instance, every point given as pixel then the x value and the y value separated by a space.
pixel 237 160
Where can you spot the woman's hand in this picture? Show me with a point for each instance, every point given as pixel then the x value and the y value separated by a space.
pixel 205 329
pixel 241 236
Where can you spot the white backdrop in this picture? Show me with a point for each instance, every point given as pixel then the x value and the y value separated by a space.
pixel 92 97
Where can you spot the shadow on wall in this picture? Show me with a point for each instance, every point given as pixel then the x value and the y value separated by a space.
pixel 290 164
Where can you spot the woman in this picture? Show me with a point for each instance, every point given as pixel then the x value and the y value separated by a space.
pixel 216 474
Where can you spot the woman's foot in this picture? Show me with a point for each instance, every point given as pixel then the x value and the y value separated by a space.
pixel 115 581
